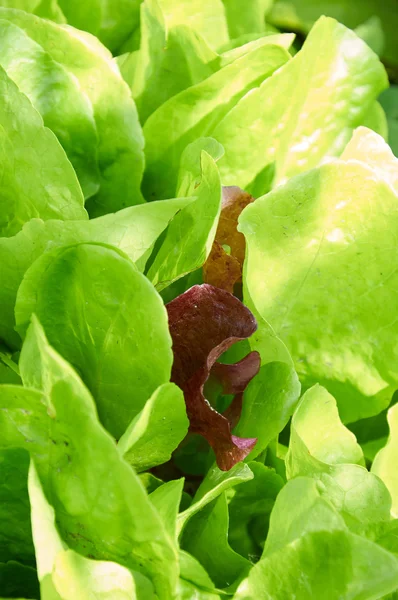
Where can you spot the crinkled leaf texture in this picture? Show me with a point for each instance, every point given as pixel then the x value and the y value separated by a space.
pixel 204 322
pixel 95 305
pixel 305 112
pixel 310 550
pixel 321 447
pixel 173 58
pixel 67 575
pixel 324 273
pixel 196 111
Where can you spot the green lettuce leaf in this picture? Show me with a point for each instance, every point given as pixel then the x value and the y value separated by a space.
pixel 31 188
pixel 305 112
pixel 7 375
pixel 189 591
pixel 206 538
pixel 133 230
pixel 387 536
pixel 17 579
pixel 56 95
pixel 385 460
pixel 316 422
pixel 48 9
pixel 242 20
pixel 226 57
pixel 212 99
pixel 188 239
pixel 207 17
pixel 249 509
pixel 91 487
pixel 77 57
pixel 309 550
pixel 213 485
pixel 389 101
pixel 66 575
pixel 320 446
pixel 167 499
pixel 170 60
pixel 112 22
pixel 300 508
pixel 96 308
pixel 322 267
pixel 157 430
pixel 192 571
pixel 167 61
pixel 264 340
pixel 371 32
pixel 9 372
pixel 190 171
pixel 269 402
pixel 106 491
pixel 376 120
pixel 15 534
pixel 367 147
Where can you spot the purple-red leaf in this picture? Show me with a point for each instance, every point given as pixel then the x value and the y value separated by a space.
pixel 204 322
pixel 235 378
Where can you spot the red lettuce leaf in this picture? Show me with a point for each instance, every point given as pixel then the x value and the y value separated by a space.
pixel 204 322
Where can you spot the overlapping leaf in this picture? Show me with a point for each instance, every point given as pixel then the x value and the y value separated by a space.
pixel 98 124
pixel 306 112
pixel 299 15
pixel 323 274
pixel 94 304
pixel 212 99
pixel 310 550
pixel 188 239
pixel 321 447
pixel 80 469
pixel 384 461
pixel 31 188
pixel 133 230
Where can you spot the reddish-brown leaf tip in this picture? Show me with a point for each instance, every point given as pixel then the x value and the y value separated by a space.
pixel 224 269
